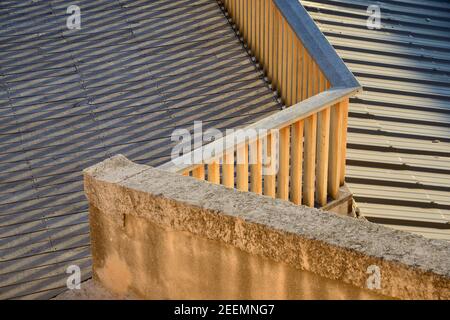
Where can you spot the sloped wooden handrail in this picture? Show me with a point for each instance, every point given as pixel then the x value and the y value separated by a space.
pixel 315 85
pixel 294 183
pixel 277 121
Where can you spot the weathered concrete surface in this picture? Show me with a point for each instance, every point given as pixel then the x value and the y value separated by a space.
pixel 343 204
pixel 137 210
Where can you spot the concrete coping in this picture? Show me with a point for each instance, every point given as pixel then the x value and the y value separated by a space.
pixel 333 246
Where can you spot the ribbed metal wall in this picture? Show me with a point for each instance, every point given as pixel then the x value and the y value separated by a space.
pixel 399 130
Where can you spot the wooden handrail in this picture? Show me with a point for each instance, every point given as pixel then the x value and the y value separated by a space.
pixel 315 85
pixel 277 121
pixel 290 67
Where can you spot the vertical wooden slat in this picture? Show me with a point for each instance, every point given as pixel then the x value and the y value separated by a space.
pixel 228 169
pixel 256 167
pixel 257 47
pixel 199 172
pixel 300 71
pixel 214 172
pixel 275 62
pixel 230 8
pixel 334 167
pixel 242 167
pixel 310 138
pixel 269 179
pixel 270 49
pixel 241 16
pixel 323 146
pixel 309 160
pixel 281 61
pixel 313 75
pixel 305 73
pixel 323 141
pixel 290 65
pixel 294 72
pixel 344 140
pixel 266 34
pixel 247 20
pixel 286 46
pixel 283 172
pixel 261 30
pixel 297 162
pixel 236 12
pixel 252 25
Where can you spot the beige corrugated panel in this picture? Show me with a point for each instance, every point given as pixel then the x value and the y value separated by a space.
pixel 398 162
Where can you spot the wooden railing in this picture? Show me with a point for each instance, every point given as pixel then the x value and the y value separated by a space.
pixel 274 44
pixel 314 84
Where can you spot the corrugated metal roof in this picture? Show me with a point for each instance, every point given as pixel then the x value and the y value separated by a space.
pixel 135 71
pixel 399 128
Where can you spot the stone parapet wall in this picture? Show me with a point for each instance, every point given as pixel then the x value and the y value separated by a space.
pixel 165 236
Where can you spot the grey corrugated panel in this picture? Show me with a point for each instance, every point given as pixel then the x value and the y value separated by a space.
pixel 16 186
pixel 399 151
pixel 405 213
pixel 397 128
pixel 391 158
pixel 39 74
pixel 15 176
pixel 21 228
pixel 397 74
pixel 412 89
pixel 435 4
pixel 356 17
pixel 404 31
pixel 405 178
pixel 37 214
pixel 398 161
pixel 36 273
pixel 44 284
pixel 391 48
pixel 401 144
pixel 403 101
pixel 381 37
pixel 392 9
pixel 413 197
pixel 122 84
pixel 40 208
pixel 13 167
pixel 398 114
pixel 23 240
pixel 360 24
pixel 400 62
pixel 157 5
pixel 426 232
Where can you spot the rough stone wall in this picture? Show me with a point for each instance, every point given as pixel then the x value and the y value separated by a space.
pixel 133 207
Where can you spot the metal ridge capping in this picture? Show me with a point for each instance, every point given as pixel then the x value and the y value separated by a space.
pixel 317 44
